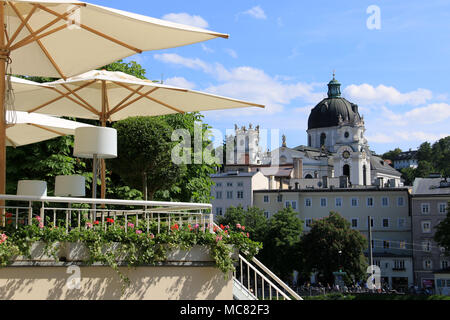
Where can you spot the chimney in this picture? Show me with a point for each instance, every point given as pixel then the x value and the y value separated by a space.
pixel 298 168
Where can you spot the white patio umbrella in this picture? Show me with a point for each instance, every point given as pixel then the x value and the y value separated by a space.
pixel 112 96
pixel 62 38
pixel 24 128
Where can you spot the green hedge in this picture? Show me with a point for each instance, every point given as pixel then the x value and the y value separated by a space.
pixel 376 297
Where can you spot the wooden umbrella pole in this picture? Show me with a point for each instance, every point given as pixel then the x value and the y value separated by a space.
pixel 4 56
pixel 103 121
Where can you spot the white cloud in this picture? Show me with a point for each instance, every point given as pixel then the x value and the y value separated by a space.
pixel 231 53
pixel 185 18
pixel 367 94
pixel 206 48
pixel 250 84
pixel 256 12
pixel 180 82
pixel 174 58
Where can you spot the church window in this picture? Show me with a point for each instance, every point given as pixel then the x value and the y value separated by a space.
pixel 309 141
pixel 323 139
pixel 346 170
pixel 365 175
pixel 308 176
pixel 347 135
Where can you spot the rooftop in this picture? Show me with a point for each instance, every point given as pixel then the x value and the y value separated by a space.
pixel 431 186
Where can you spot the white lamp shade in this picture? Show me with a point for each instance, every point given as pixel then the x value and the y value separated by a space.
pixel 70 186
pixel 90 141
pixel 30 188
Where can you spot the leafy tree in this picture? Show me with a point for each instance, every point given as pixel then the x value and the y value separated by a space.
pixel 424 152
pixel 332 245
pixel 195 185
pixel 253 219
pixel 392 155
pixel 442 235
pixel 131 68
pixel 409 175
pixel 144 145
pixel 281 246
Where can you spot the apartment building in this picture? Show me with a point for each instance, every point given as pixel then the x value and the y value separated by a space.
pixel 430 203
pixel 390 219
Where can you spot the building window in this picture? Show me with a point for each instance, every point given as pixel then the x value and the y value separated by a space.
pixel 230 184
pixel 399 264
pixel 280 198
pixel 372 222
pixel 428 264
pixel 294 205
pixel 308 202
pixel 229 194
pixel 386 244
pixel 308 223
pixel 425 208
pixel 355 223
pixel 219 185
pixel 402 245
pixel 267 214
pixel 426 246
pixel 377 263
pixel 323 139
pixel 385 202
pixel 355 202
pixel 401 222
pixel 386 223
pixel 288 204
pixel 240 194
pixel 219 195
pixel 240 184
pixel 323 202
pixel 266 199
pixel 338 202
pixel 444 264
pixel 401 201
pixel 219 211
pixel 442 207
pixel 426 226
pixel 370 202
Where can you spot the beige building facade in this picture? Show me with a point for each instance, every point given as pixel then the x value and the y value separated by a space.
pixel 388 209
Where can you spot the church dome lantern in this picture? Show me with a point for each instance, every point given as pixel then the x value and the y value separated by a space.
pixel 334 110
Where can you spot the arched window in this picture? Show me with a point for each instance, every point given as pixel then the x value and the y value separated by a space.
pixel 323 139
pixel 309 141
pixel 308 176
pixel 365 175
pixel 346 170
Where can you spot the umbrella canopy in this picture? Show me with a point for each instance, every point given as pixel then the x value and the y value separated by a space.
pixel 29 128
pixel 113 96
pixel 63 38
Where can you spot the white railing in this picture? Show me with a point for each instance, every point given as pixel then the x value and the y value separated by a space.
pixel 77 212
pixel 261 282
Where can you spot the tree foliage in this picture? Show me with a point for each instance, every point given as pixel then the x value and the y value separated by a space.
pixel 442 235
pixel 331 245
pixel 144 161
pixel 433 158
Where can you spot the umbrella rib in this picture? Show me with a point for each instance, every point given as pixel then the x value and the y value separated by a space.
pixel 80 98
pixel 63 95
pixel 166 105
pixel 125 100
pixel 121 43
pixel 22 25
pixel 47 129
pixel 142 95
pixel 36 35
pixel 47 54
pixel 152 99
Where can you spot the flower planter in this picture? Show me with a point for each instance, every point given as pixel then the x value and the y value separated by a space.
pixel 196 254
pixel 76 252
pixel 38 254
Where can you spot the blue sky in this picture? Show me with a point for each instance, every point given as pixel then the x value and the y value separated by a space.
pixel 282 54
